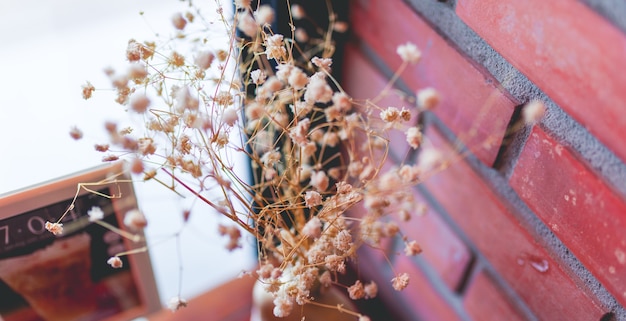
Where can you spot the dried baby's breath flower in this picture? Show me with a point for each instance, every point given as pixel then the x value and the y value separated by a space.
pixel 136 166
pixel 258 76
pixel 297 12
pixel 371 290
pixel 318 90
pixel 135 219
pixel 176 303
pixel 414 137
pixel 412 248
pixel 88 90
pixel 76 133
pixel 179 21
pixel 110 158
pixel 322 63
pixel 139 103
pixel 319 181
pixel 101 147
pixel 301 35
pixel 115 262
pixel 54 228
pixel 95 213
pixel 428 98
pixel 265 15
pixel 356 291
pixel 177 59
pixel 313 228
pixel 409 53
pixel 247 24
pixel 533 112
pixel 341 26
pixel 204 59
pixel 274 48
pixel 400 282
pixel 230 116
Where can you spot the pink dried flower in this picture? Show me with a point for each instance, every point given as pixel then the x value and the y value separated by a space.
pixel 135 219
pixel 297 12
pixel 247 25
pixel 400 282
pixel 312 198
pixel 282 306
pixel 533 112
pixel 343 241
pixel 412 248
pixel 429 159
pixel 322 63
pixel 88 89
pixel 139 103
pixel 297 78
pixel 76 133
pixel 319 180
pixel 318 90
pixel 179 21
pixel 230 116
pixel 371 290
pixel 301 35
pixel 340 26
pixel 265 15
pixel 309 149
pixel 115 262
pixel 274 47
pixel 258 76
pixel 204 59
pixel 313 228
pixel 409 174
pixel 101 147
pixel 136 166
pixel 414 137
pixel 298 133
pixel 390 114
pixel 110 158
pixel 335 262
pixel 356 291
pixel 137 72
pixel 428 98
pixel 54 228
pixel 409 53
pixel 326 279
pixel 342 101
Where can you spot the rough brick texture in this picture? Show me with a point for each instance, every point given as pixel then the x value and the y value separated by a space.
pixel 579 208
pixel 529 223
pixel 569 51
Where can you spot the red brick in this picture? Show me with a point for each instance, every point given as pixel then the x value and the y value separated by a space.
pixel 570 52
pixel 363 83
pixel 473 105
pixel 578 206
pixel 442 248
pixel 523 263
pixel 484 301
pixel 420 296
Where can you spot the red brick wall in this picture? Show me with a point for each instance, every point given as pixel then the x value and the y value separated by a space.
pixel 531 224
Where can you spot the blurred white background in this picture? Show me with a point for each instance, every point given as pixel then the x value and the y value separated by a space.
pixel 48 49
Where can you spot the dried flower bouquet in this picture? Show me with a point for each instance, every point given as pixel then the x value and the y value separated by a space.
pixel 314 151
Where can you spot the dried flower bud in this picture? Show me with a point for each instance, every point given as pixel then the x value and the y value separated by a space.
pixel 414 137
pixel 428 98
pixel 139 103
pixel 54 228
pixel 88 89
pixel 409 53
pixel 179 21
pixel 135 220
pixel 95 214
pixel 412 248
pixel 176 303
pixel 115 262
pixel 265 15
pixel 356 291
pixel 297 12
pixel 76 133
pixel 204 60
pixel 400 282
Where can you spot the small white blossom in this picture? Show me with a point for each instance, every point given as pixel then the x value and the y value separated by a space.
pixel 95 214
pixel 176 303
pixel 409 53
